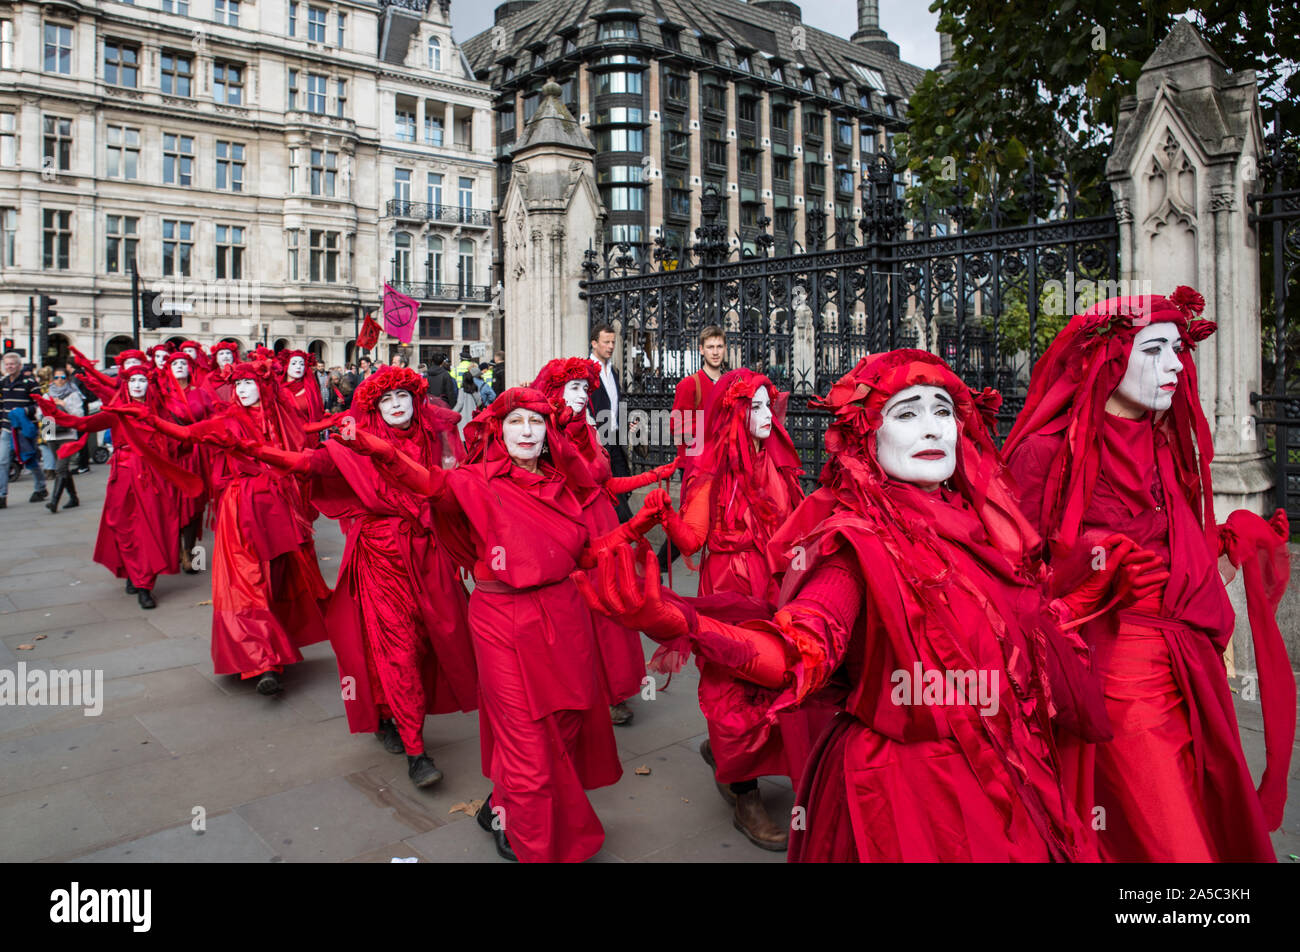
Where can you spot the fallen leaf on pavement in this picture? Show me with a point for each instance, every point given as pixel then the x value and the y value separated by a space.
pixel 469 809
pixel 40 637
pixel 642 771
pixel 26 647
pixel 207 601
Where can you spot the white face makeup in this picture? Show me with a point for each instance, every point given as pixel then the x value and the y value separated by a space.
pixel 131 362
pixel 524 433
pixel 225 357
pixel 159 358
pixel 247 392
pixel 296 369
pixel 181 369
pixel 760 415
pixel 192 351
pixel 575 395
pixel 136 385
pixel 917 440
pixel 1154 364
pixel 397 407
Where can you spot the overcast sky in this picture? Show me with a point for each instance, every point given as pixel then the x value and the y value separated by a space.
pixel 908 22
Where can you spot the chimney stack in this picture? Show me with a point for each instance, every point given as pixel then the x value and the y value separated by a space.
pixel 870 36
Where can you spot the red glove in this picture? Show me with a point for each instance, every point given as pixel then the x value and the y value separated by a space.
pixel 329 420
pixel 1127 574
pixel 634 601
pixel 367 444
pixel 665 471
pixel 137 411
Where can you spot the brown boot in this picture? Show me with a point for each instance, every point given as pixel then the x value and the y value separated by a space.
pixel 725 789
pixel 752 820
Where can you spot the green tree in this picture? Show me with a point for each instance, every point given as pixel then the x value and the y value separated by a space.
pixel 1043 83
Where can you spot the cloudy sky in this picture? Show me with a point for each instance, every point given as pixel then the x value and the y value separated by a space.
pixel 908 22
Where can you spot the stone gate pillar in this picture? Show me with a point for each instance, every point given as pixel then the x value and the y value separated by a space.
pixel 551 212
pixel 1186 150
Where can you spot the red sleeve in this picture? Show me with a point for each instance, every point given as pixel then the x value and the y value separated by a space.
pixel 1029 464
pixel 683 403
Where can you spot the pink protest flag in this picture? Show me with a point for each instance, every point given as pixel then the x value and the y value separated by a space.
pixel 400 314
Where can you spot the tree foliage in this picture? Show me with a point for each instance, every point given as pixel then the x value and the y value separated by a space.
pixel 1043 83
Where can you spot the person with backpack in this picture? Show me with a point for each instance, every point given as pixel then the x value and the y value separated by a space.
pixel 485 392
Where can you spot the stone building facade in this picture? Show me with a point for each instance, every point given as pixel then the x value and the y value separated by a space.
pixel 267 166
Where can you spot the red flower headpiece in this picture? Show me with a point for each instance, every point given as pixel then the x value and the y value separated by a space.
pixel 137 370
pixel 366 397
pixel 556 373
pixel 126 355
pixel 165 347
pixel 249 370
pixel 179 355
pixel 192 343
pixel 226 345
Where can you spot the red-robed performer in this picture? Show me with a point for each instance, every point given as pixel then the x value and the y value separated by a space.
pixel 544 723
pixel 104 386
pixel 218 381
pixel 158 355
pixel 139 524
pixel 186 403
pixel 200 362
pixel 912 599
pixel 299 385
pixel 267 591
pixel 398 618
pixel 568 384
pixel 1113 438
pixel 740 490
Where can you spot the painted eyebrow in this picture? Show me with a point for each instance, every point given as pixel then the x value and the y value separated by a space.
pixel 1156 340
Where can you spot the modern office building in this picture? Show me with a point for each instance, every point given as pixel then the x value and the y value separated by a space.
pixel 677 94
pixel 268 166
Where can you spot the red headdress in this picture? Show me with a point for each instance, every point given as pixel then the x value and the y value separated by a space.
pixel 1073 380
pixel 434 426
pixel 556 373
pixel 229 345
pixel 484 442
pixel 730 460
pixel 153 351
pixel 126 355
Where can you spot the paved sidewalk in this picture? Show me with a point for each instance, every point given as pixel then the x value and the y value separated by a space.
pixel 281 779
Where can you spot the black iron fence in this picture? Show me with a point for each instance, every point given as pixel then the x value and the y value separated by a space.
pixel 1275 212
pixel 987 301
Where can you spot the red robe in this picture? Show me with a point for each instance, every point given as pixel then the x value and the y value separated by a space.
pixel 139 527
pixel 544 725
pixel 895 780
pixel 1174 781
pixel 267 590
pixel 398 616
pixel 188 405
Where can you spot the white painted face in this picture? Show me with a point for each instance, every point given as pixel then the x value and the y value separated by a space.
pixel 247 392
pixel 136 385
pixel 132 362
pixel 576 395
pixel 760 415
pixel 297 368
pixel 159 358
pixel 192 351
pixel 181 369
pixel 225 357
pixel 397 407
pixel 1153 368
pixel 524 433
pixel 917 439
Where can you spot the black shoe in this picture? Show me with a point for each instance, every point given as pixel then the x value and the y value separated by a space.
pixel 485 818
pixel 130 589
pixel 82 469
pixel 72 503
pixel 422 771
pixel 53 504
pixel 39 496
pixel 146 598
pixel 269 683
pixel 4 502
pixel 620 714
pixel 392 739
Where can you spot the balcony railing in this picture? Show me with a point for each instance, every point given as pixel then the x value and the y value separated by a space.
pixel 448 214
pixel 441 291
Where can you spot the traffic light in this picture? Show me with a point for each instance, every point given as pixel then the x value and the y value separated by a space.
pixel 8 346
pixel 49 318
pixel 153 313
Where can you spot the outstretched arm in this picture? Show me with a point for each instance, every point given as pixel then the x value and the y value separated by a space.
pixel 399 469
pixel 96 421
pixel 626 484
pixel 690 528
pixel 93 374
pixel 287 461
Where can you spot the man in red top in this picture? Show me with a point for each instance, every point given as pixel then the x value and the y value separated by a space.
pixel 687 419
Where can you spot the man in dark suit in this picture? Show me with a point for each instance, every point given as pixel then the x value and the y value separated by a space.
pixel 604 409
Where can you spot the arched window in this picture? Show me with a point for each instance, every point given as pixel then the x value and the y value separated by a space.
pixel 466 271
pixel 433 262
pixel 434 49
pixel 115 347
pixel 402 258
pixel 281 343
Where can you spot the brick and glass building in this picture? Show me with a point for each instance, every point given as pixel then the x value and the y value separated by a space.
pixel 677 94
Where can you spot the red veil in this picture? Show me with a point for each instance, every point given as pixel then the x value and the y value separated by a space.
pixel 306 384
pixel 729 460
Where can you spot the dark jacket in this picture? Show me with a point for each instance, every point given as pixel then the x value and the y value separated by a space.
pixel 441 385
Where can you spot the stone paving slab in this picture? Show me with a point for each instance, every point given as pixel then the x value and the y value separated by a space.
pixel 227 838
